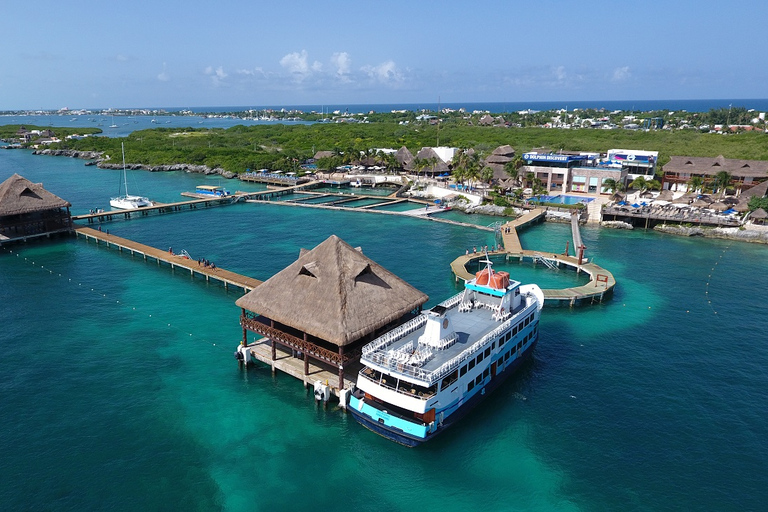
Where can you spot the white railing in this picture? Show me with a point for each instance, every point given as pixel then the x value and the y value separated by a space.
pixel 387 339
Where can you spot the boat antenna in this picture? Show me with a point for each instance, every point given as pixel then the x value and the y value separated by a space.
pixel 488 265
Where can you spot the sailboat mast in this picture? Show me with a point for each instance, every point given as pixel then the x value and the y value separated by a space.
pixel 125 175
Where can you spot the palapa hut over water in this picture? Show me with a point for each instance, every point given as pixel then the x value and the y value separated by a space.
pixel 328 304
pixel 28 210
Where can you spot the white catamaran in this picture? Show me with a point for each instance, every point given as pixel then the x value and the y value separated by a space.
pixel 423 376
pixel 127 201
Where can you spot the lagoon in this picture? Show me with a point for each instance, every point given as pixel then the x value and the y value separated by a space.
pixel 120 391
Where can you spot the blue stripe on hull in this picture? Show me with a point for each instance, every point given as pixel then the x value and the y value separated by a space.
pixel 402 438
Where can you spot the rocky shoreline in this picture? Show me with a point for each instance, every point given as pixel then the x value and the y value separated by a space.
pixel 747 233
pixel 97 157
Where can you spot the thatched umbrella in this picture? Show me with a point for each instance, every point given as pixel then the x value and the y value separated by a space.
pixel 719 206
pixel 700 203
pixel 665 195
pixel 681 200
pixel 706 199
pixel 647 194
pixel 759 214
pixel 730 200
pixel 617 196
pixel 741 206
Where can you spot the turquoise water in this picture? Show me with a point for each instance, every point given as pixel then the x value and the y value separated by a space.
pixel 562 199
pixel 119 388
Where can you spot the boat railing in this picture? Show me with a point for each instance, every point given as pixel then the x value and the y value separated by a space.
pixel 390 337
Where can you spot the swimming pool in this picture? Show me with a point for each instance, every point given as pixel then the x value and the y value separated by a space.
pixel 562 199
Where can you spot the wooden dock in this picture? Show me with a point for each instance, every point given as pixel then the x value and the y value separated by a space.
pixel 601 282
pixel 176 261
pixel 285 361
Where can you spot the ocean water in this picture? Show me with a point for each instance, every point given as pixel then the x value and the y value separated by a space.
pixel 119 390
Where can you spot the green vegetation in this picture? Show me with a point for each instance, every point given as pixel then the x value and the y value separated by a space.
pixel 278 146
pixel 8 131
pixel 758 202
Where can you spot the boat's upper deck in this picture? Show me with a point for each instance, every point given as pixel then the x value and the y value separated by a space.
pixel 400 352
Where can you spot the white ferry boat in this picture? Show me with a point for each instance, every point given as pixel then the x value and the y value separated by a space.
pixel 423 376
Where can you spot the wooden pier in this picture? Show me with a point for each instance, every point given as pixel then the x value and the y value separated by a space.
pixel 601 282
pixel 176 261
pixel 261 350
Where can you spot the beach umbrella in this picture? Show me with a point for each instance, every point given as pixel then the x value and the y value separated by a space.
pixel 741 206
pixel 721 207
pixel 635 205
pixel 730 211
pixel 622 203
pixel 643 204
pixel 665 195
pixel 699 204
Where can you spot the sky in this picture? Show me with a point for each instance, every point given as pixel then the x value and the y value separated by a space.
pixel 168 53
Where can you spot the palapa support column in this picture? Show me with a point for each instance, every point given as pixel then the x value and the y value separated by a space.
pixel 341 367
pixel 245 331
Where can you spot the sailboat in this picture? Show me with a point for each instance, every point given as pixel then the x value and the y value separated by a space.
pixel 113 125
pixel 127 201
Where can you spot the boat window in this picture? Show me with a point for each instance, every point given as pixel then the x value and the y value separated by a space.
pixel 471 364
pixel 450 379
pixel 470 385
pixel 514 331
pixel 463 370
pixel 494 345
pixel 519 345
pixel 487 352
pixel 486 373
pixel 479 379
pixel 479 357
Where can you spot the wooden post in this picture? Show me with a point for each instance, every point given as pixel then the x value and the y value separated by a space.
pixel 341 367
pixel 245 331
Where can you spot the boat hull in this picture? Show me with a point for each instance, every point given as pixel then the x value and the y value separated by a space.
pixel 411 441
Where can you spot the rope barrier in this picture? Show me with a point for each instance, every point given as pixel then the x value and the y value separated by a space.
pixel 102 295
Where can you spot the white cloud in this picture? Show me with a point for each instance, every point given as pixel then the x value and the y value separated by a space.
pixel 121 58
pixel 296 63
pixel 560 73
pixel 217 75
pixel 386 72
pixel 164 76
pixel 621 74
pixel 342 63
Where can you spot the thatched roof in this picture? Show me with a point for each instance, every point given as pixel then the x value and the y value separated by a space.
pixel 18 195
pixel 759 214
pixel 335 293
pixel 431 154
pixel 759 190
pixel 405 158
pixel 323 154
pixel 505 150
pixel 707 166
pixel 665 195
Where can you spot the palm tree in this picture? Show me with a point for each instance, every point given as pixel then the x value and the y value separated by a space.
pixel 695 184
pixel 721 182
pixel 512 169
pixel 639 183
pixel 612 185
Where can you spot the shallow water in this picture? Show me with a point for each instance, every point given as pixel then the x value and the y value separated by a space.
pixel 119 389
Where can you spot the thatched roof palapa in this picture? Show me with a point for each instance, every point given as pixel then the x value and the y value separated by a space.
pixel 335 293
pixel 405 158
pixel 18 196
pixel 759 214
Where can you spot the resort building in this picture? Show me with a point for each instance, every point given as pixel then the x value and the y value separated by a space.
pixel 326 305
pixel 745 174
pixel 28 210
pixel 563 173
pixel 636 162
